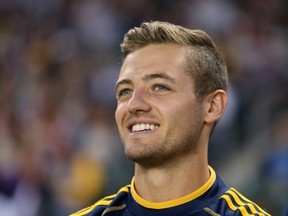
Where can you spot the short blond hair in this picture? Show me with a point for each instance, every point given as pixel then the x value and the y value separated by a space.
pixel 204 62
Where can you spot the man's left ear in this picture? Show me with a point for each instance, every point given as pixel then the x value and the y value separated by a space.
pixel 215 104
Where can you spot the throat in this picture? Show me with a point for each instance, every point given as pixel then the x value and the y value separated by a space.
pixel 161 186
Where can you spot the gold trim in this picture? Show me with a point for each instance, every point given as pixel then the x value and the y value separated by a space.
pixel 103 202
pixel 113 208
pixel 176 202
pixel 209 211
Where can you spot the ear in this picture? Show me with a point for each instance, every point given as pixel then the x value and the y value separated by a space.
pixel 215 104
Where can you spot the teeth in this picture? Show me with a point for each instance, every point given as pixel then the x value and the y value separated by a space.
pixel 142 127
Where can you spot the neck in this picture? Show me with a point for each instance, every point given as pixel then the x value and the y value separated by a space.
pixel 180 178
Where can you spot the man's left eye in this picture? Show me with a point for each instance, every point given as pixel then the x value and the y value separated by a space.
pixel 160 88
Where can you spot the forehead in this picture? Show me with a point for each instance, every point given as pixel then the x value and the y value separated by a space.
pixel 168 58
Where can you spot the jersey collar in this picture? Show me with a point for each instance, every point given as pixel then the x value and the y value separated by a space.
pixel 175 202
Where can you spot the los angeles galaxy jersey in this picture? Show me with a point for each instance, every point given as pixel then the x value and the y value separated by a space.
pixel 213 198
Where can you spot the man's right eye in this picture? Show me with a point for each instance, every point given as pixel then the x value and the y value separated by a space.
pixel 124 92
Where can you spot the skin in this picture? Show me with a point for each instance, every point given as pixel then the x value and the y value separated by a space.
pixel 154 88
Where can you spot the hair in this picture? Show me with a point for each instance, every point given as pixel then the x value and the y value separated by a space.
pixel 204 62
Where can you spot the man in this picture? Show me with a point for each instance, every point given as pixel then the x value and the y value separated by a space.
pixel 171 92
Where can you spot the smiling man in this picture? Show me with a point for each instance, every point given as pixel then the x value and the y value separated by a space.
pixel 171 92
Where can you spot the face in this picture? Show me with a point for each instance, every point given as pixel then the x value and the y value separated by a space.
pixel 158 116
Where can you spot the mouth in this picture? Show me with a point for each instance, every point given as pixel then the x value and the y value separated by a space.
pixel 143 127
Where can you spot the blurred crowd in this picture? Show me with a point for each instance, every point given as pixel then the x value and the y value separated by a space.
pixel 59 60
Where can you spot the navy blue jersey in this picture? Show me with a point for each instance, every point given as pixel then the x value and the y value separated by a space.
pixel 213 198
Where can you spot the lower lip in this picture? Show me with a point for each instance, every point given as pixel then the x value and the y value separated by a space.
pixel 141 133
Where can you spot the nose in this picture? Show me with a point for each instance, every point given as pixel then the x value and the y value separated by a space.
pixel 139 102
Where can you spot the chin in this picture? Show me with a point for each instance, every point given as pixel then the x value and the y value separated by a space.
pixel 148 159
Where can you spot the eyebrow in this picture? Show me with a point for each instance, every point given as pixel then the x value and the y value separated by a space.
pixel 158 75
pixel 122 82
pixel 147 77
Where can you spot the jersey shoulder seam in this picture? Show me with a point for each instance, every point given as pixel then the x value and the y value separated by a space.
pixel 106 201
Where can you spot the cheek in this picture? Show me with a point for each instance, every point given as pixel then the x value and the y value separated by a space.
pixel 172 115
pixel 118 115
pixel 186 112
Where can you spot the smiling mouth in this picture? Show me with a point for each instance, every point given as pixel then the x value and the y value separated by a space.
pixel 143 127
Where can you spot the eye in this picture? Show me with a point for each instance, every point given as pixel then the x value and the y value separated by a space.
pixel 160 87
pixel 124 92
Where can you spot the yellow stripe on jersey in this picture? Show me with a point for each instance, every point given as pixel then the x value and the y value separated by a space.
pixel 103 202
pixel 123 189
pixel 259 209
pixel 233 207
pixel 236 201
pixel 240 203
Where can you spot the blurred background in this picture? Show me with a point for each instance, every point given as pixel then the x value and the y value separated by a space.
pixel 59 60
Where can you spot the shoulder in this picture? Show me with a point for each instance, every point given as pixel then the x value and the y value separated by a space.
pixel 115 202
pixel 235 202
